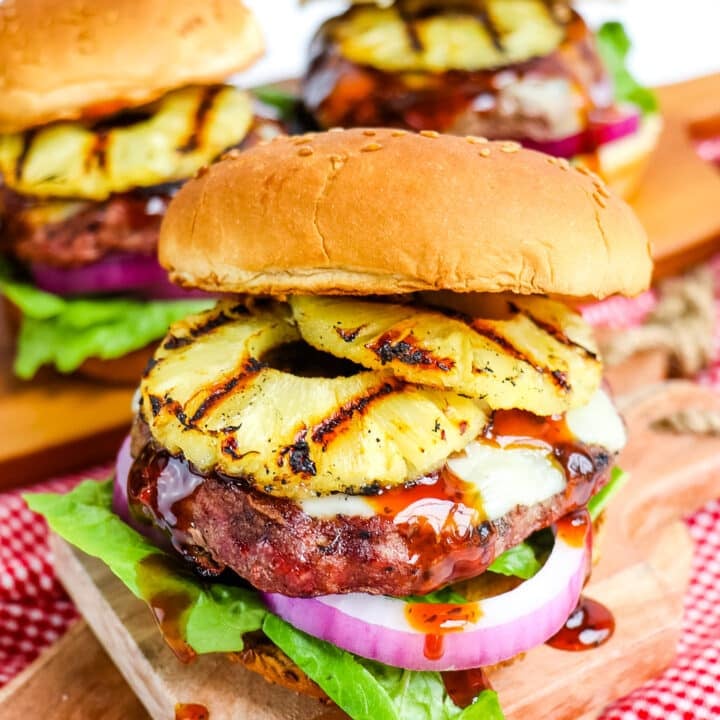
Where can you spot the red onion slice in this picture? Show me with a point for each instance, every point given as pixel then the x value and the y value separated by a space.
pixel 613 124
pixel 121 504
pixel 141 274
pixel 604 127
pixel 566 147
pixel 376 627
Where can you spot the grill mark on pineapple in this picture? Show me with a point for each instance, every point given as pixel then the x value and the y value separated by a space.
pixel 394 346
pixel 350 334
pixel 175 342
pixel 553 331
pixel 299 455
pixel 250 369
pixel 27 143
pixel 156 404
pixel 176 409
pixel 98 150
pixel 557 377
pixel 332 426
pixel 202 113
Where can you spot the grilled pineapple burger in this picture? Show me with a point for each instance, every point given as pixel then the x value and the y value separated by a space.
pixel 393 429
pixel 526 69
pixel 105 107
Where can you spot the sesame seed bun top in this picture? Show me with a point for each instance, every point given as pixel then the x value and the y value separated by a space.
pixel 385 211
pixel 61 60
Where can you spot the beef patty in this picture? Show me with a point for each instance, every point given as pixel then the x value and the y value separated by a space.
pixel 221 523
pixel 85 231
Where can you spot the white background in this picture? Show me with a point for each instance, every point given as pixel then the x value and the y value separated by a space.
pixel 673 39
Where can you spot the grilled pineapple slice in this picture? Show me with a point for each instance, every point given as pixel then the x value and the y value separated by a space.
pixel 537 357
pixel 170 140
pixel 498 33
pixel 209 396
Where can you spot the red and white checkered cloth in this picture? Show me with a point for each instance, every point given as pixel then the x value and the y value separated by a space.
pixel 35 611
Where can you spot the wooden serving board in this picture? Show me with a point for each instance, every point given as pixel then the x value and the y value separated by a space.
pixel 678 201
pixel 55 424
pixel 642 574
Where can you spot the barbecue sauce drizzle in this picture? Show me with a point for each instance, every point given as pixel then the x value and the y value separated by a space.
pixel 191 711
pixel 590 625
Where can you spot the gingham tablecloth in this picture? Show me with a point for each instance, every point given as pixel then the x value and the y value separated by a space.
pixel 35 611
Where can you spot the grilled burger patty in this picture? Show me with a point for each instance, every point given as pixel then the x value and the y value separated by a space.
pixel 221 523
pixel 71 234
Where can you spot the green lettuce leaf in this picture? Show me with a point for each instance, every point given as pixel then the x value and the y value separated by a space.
pixel 218 615
pixel 367 690
pixel 446 595
pixel 614 46
pixel 519 561
pixel 66 332
pixel 599 501
pixel 285 102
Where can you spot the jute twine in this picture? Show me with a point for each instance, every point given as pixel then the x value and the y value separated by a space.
pixel 683 325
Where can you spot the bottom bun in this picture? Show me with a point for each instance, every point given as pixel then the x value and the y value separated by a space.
pixel 125 370
pixel 263 657
pixel 622 163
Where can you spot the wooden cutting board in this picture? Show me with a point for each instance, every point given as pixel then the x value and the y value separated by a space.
pixel 642 574
pixel 59 424
pixel 679 199
pixel 55 424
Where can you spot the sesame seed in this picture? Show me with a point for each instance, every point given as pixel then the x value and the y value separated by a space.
pixel 305 151
pixel 563 164
pixel 281 136
pixel 337 161
pixel 602 190
pixel 583 170
pixel 336 129
pixel 398 133
pixel 599 200
pixel 476 140
pixel 369 133
pixel 485 152
pixel 304 140
pixel 430 133
pixel 370 147
pixel 231 154
pixel 510 147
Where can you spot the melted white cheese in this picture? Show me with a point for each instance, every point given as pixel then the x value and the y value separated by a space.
pixel 598 423
pixel 504 477
pixel 340 504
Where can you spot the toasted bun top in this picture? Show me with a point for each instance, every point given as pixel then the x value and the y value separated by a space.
pixel 385 211
pixel 60 60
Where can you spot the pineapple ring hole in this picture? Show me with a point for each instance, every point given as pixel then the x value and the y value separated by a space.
pixel 303 360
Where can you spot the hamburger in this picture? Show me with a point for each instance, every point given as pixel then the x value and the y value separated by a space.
pixel 528 70
pixel 373 467
pixel 105 107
